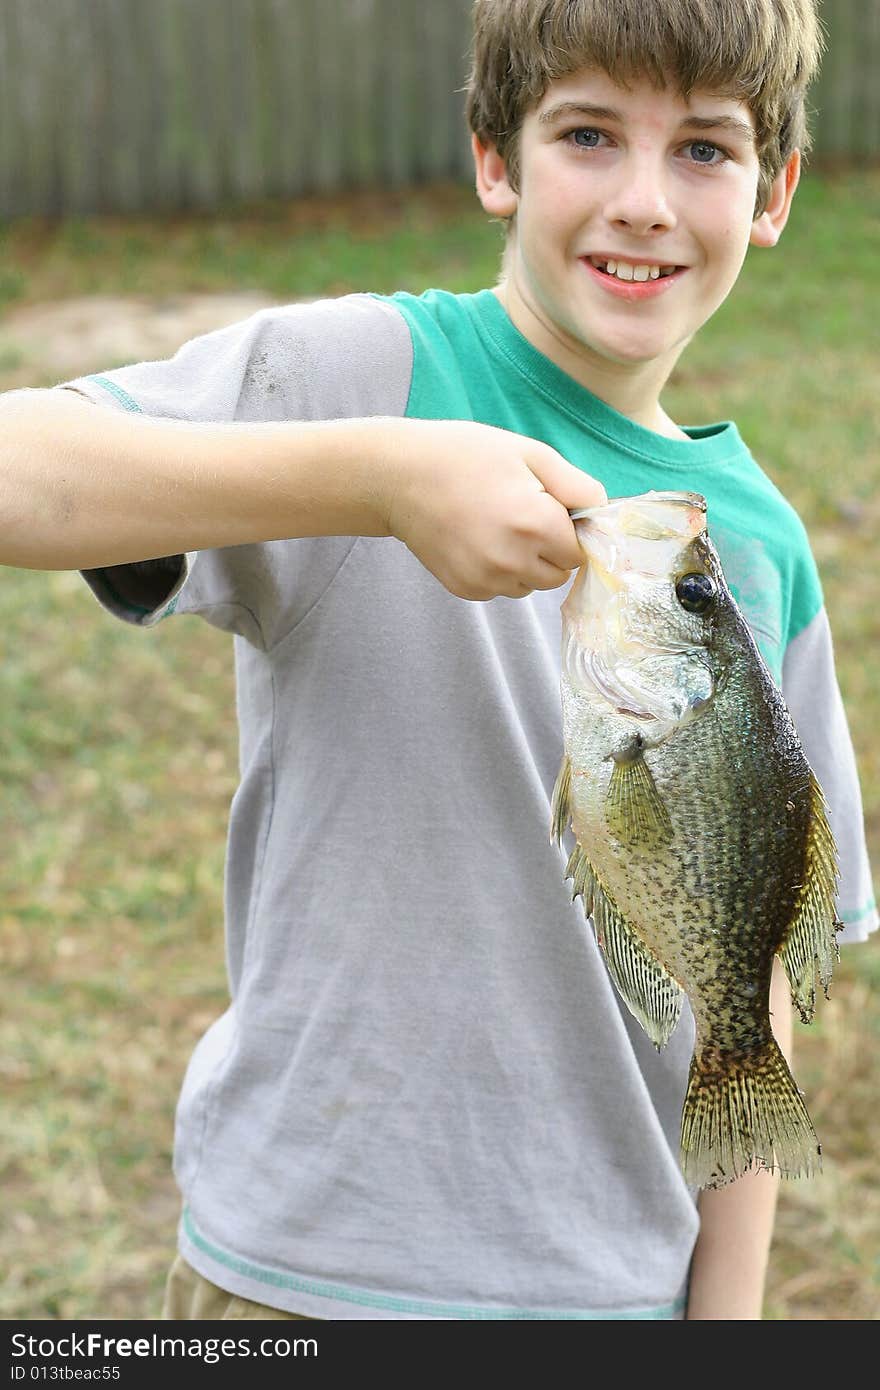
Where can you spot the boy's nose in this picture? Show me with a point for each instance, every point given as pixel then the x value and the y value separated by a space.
pixel 639 199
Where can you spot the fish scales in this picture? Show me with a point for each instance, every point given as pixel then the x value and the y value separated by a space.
pixel 702 843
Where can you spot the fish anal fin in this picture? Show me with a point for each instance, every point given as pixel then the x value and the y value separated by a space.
pixel 647 989
pixel 560 805
pixel 810 945
pixel 634 809
pixel 580 871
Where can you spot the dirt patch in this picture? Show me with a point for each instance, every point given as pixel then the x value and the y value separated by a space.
pixel 45 343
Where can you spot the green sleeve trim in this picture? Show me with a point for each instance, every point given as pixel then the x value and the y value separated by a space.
pixel 117 597
pixel 136 610
pixel 125 400
pixel 850 918
pixel 274 1279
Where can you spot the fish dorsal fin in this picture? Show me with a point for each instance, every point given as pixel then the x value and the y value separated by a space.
pixel 649 991
pixel 810 945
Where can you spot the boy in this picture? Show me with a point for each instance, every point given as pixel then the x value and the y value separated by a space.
pixel 426 1100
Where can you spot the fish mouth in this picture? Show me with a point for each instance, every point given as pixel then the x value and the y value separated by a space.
pixel 632 548
pixel 690 501
pixel 639 535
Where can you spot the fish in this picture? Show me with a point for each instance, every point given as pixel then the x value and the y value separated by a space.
pixel 702 842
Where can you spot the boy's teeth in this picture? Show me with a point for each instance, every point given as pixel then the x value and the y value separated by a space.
pixel 624 271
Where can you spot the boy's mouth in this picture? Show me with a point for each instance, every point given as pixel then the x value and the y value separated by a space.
pixel 628 271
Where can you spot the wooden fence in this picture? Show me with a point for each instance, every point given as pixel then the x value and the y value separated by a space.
pixel 846 100
pixel 129 105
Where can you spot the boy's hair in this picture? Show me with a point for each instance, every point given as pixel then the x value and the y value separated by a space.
pixel 762 52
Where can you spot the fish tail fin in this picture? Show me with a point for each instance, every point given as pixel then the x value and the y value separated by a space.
pixel 745 1113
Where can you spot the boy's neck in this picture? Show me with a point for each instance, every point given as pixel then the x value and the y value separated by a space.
pixel 632 390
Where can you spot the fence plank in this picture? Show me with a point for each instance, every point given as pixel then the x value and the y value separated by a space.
pixel 36 92
pixel 294 72
pixel 327 113
pixel 871 77
pixel 122 105
pixel 11 192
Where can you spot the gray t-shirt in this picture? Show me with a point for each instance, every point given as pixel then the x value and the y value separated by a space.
pixel 425 1099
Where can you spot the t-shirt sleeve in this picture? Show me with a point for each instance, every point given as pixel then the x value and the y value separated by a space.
pixel 332 359
pixel 810 689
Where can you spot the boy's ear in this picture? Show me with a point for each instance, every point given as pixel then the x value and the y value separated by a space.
pixel 493 189
pixel 768 226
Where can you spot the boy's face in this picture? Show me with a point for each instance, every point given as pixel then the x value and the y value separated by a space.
pixel 641 177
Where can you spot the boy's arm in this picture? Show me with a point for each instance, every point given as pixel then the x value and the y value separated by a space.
pixel 736 1222
pixel 83 486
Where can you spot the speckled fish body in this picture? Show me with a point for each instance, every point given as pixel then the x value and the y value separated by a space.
pixel 702 844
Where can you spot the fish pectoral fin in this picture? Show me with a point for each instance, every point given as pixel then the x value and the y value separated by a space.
pixel 634 809
pixel 810 945
pixel 647 989
pixel 560 805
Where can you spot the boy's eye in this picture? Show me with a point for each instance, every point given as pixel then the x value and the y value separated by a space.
pixel 586 137
pixel 703 152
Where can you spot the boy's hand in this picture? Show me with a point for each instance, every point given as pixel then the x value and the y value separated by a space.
pixel 486 510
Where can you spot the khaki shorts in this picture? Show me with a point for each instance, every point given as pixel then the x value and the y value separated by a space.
pixel 188 1296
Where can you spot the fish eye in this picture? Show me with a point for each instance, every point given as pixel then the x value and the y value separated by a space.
pixel 695 592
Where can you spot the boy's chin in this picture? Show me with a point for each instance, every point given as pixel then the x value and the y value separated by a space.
pixel 628 354
pixel 581 339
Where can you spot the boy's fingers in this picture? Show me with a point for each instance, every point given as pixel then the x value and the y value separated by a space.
pixel 560 546
pixel 547 575
pixel 569 485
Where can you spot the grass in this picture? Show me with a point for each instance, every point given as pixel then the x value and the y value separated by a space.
pixel 377 241
pixel 120 754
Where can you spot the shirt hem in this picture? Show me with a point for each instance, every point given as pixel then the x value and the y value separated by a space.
pixel 298 1293
pixel 859 925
